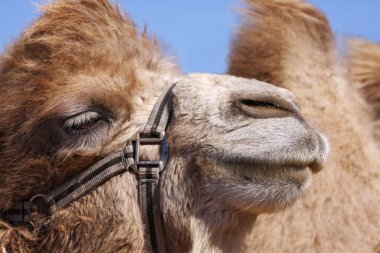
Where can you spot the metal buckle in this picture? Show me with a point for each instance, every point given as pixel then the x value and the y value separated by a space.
pixel 161 140
pixel 40 202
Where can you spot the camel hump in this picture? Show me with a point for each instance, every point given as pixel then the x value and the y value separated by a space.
pixel 279 39
pixel 363 60
pixel 364 71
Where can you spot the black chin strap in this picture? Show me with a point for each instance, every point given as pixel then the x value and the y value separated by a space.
pixel 114 164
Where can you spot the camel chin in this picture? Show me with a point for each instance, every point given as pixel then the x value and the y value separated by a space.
pixel 257 189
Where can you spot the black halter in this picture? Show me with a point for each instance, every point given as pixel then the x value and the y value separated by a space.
pixel 114 164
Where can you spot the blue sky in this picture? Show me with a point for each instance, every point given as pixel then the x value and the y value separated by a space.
pixel 198 32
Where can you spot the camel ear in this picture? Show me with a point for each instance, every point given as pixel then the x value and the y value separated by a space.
pixel 364 71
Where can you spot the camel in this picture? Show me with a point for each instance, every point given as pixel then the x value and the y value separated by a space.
pixel 81 83
pixel 289 43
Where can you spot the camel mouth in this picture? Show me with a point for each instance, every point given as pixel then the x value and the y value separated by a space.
pixel 314 166
pixel 293 174
pixel 298 172
pixel 310 157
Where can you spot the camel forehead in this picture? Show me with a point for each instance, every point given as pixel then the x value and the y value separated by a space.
pixel 199 85
pixel 232 83
pixel 221 86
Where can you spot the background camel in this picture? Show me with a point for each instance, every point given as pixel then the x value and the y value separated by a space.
pixel 81 81
pixel 289 43
pixel 364 73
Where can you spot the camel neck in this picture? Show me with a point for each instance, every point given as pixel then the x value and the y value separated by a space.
pixel 190 224
pixel 219 231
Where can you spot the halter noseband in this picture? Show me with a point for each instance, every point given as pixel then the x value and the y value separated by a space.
pixel 114 164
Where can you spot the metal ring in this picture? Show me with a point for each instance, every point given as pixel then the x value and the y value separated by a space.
pixel 41 203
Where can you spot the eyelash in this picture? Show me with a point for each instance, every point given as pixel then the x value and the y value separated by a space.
pixel 82 122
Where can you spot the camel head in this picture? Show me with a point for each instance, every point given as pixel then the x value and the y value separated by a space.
pixel 82 81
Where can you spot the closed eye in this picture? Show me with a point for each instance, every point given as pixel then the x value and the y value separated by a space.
pixel 82 122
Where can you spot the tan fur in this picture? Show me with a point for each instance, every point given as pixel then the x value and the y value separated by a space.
pixel 364 74
pixel 238 147
pixel 290 43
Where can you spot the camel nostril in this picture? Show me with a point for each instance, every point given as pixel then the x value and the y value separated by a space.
pixel 264 104
pixel 265 108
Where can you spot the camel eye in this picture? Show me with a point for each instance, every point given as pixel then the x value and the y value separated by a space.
pixel 82 122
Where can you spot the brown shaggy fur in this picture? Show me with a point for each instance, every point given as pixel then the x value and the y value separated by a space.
pixel 290 43
pixel 364 74
pixel 36 67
